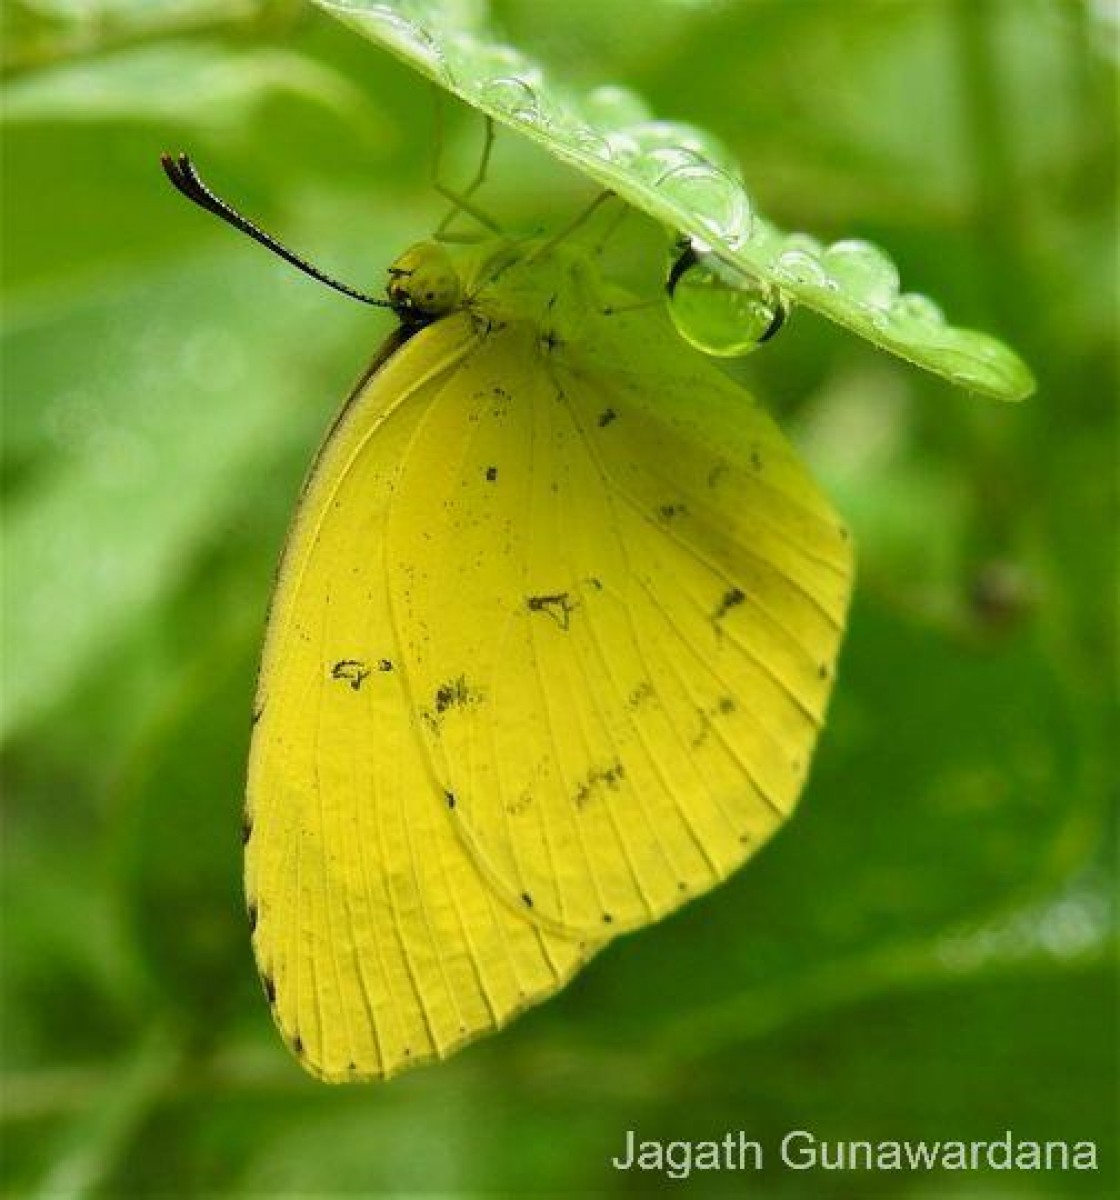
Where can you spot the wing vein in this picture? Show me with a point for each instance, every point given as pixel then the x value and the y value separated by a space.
pixel 639 647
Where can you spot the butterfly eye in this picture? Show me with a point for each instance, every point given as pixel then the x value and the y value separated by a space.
pixel 424 284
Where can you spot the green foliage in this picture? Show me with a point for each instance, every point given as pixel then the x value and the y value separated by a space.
pixel 685 178
pixel 926 950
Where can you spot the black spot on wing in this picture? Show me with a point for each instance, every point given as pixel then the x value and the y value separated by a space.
pixel 520 803
pixel 606 417
pixel 640 694
pixel 558 605
pixel 502 400
pixel 716 474
pixel 456 693
pixel 350 670
pixel 597 780
pixel 730 599
pixel 708 715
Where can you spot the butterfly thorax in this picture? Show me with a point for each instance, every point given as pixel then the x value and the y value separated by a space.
pixel 551 287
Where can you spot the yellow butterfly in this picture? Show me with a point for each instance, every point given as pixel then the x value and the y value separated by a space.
pixel 550 647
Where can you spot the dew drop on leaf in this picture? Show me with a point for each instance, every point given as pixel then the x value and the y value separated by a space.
pixel 719 311
pixel 609 108
pixel 406 36
pixel 514 96
pixel 863 272
pixel 716 199
pixel 800 265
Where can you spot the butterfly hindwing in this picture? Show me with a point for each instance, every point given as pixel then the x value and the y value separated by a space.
pixel 640 597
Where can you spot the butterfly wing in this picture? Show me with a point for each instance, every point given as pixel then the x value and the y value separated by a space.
pixel 379 942
pixel 621 598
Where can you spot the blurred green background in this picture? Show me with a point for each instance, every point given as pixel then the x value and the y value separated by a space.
pixel 926 951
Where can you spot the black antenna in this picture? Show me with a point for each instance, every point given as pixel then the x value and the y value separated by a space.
pixel 185 178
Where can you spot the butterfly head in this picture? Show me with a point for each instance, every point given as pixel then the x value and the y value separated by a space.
pixel 424 284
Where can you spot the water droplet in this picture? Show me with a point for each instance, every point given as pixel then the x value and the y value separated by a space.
pixel 801 241
pixel 610 108
pixel 863 272
pixel 514 96
pixel 719 310
pixel 678 136
pixel 623 149
pixel 801 266
pixel 583 138
pixel 711 196
pixel 653 165
pixel 918 309
pixel 482 64
pixel 765 240
pixel 407 37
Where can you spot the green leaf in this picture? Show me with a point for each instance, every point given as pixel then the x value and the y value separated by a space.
pixel 152 439
pixel 210 85
pixel 680 175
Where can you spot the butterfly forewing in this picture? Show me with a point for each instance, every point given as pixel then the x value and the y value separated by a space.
pixel 380 943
